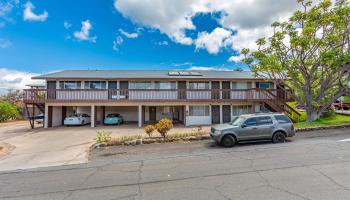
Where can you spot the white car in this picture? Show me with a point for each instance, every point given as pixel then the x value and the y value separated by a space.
pixel 77 119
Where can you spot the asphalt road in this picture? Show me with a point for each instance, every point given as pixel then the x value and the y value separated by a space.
pixel 304 168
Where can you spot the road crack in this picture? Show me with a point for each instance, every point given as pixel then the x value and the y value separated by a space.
pixel 330 179
pixel 268 183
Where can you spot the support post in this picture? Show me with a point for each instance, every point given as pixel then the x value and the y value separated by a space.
pixel 140 116
pixel 103 114
pixel 46 118
pixel 220 89
pixel 93 116
pixel 221 117
pixel 211 115
pixel 187 113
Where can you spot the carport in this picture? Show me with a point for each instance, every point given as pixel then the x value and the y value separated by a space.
pixel 55 115
pixel 129 113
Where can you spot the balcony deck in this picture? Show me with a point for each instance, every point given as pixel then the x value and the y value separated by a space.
pixel 150 95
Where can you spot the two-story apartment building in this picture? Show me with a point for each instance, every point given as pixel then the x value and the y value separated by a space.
pixel 145 96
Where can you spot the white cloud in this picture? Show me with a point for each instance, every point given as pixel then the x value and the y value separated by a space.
pixel 84 33
pixel 15 80
pixel 128 35
pixel 29 15
pixel 174 18
pixel 236 58
pixel 170 17
pixel 213 41
pixel 6 8
pixel 67 25
pixel 117 42
pixel 181 64
pixel 5 43
pixel 246 38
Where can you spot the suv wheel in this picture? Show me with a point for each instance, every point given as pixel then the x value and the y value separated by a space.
pixel 228 141
pixel 279 137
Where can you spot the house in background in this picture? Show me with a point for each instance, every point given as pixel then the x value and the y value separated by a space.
pixel 145 96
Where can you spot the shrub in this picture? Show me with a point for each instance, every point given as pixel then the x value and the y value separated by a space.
pixel 149 130
pixel 163 126
pixel 328 113
pixel 295 118
pixel 103 137
pixel 8 111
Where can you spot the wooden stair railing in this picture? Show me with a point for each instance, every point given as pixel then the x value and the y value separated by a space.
pixel 279 105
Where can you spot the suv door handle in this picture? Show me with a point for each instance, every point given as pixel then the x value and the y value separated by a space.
pixel 254 128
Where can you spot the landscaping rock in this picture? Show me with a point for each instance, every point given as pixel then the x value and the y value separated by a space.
pixel 149 141
pixel 138 141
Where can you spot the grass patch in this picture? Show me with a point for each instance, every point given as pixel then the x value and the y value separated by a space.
pixel 325 121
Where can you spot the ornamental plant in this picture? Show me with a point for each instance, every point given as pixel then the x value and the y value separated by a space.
pixel 163 126
pixel 149 130
pixel 103 137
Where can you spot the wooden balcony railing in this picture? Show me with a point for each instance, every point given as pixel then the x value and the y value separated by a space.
pixel 53 95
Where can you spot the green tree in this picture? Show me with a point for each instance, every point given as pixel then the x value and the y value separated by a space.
pixel 8 111
pixel 309 54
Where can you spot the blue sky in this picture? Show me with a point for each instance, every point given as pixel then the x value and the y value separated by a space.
pixel 42 36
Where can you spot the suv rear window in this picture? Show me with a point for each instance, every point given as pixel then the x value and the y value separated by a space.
pixel 282 119
pixel 264 120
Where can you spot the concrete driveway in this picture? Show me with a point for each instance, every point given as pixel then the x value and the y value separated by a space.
pixel 42 148
pixel 56 146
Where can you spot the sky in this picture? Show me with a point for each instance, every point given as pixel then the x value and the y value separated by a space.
pixel 39 36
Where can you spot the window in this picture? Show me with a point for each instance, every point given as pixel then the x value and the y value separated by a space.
pixel 241 109
pixel 250 122
pixel 199 111
pixel 166 110
pixel 70 85
pixel 141 85
pixel 264 85
pixel 282 119
pixel 264 120
pixel 165 85
pixel 198 85
pixel 249 85
pixel 95 85
pixel 234 85
pixel 237 121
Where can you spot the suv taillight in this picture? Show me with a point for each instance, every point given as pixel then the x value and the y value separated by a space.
pixel 292 127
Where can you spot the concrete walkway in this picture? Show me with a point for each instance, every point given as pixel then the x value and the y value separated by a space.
pixel 57 146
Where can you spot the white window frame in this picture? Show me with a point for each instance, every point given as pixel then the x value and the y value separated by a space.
pixel 77 83
pixel 87 84
pixel 198 85
pixel 241 109
pixel 202 110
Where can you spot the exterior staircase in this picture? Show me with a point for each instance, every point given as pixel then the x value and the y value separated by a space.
pixel 276 104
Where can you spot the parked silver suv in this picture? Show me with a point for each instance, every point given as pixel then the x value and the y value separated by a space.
pixel 262 126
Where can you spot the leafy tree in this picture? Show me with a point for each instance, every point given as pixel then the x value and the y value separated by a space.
pixel 309 54
pixel 8 111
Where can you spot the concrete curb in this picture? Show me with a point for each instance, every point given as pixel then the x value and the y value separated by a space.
pixel 322 128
